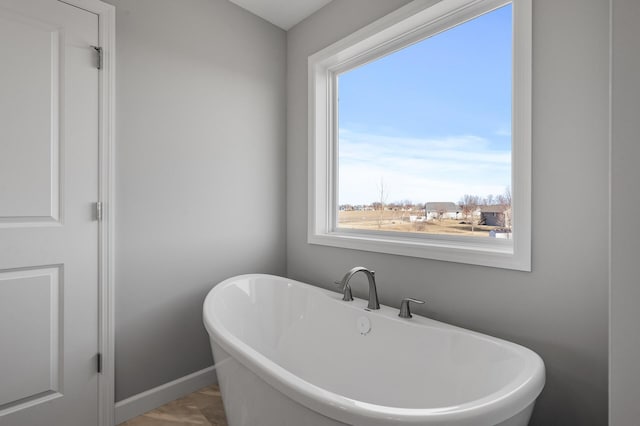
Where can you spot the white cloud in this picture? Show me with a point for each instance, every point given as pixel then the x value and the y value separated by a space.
pixel 419 169
pixel 503 131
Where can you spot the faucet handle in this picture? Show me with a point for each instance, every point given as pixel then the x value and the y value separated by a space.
pixel 346 291
pixel 405 312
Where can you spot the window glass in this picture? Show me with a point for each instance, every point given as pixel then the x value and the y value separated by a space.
pixel 424 135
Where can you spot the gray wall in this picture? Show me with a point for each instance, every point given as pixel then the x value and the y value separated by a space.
pixel 560 309
pixel 200 174
pixel 625 236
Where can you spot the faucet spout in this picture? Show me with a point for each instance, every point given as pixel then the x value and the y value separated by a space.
pixel 371 277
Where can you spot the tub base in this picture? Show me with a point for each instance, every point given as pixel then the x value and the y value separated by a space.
pixel 520 419
pixel 249 401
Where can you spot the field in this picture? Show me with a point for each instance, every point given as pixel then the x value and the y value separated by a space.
pixel 390 220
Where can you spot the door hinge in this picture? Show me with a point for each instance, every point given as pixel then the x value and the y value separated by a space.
pixel 99 361
pixel 99 211
pixel 100 54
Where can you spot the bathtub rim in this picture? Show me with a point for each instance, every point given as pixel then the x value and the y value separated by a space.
pixel 493 408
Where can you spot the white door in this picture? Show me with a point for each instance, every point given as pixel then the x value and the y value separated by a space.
pixel 48 229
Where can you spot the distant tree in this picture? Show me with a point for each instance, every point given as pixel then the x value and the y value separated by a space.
pixel 505 198
pixel 381 202
pixel 469 204
pixel 508 218
pixel 504 202
pixel 488 200
pixel 406 206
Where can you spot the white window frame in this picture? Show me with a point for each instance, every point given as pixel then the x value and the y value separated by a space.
pixel 409 24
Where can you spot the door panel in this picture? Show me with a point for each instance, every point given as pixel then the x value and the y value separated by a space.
pixel 29 154
pixel 48 232
pixel 30 319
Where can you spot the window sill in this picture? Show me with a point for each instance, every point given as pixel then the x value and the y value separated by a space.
pixel 491 252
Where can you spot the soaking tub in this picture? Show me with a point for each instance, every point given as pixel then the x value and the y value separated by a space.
pixel 291 354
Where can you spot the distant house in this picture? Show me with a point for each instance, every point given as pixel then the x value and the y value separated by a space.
pixel 442 210
pixel 495 215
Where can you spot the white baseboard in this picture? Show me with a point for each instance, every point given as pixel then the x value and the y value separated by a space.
pixel 154 398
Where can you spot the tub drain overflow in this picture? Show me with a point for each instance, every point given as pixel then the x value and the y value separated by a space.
pixel 364 325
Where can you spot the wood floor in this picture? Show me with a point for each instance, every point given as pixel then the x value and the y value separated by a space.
pixel 203 407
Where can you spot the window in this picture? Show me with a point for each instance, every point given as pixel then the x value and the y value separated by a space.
pixel 419 131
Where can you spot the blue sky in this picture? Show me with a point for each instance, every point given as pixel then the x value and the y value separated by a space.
pixel 431 121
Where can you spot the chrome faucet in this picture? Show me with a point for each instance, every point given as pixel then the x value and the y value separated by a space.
pixel 373 293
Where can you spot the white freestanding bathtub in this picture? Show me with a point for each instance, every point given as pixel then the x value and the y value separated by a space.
pixel 291 354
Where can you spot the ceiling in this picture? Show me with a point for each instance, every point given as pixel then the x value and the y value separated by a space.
pixel 283 13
